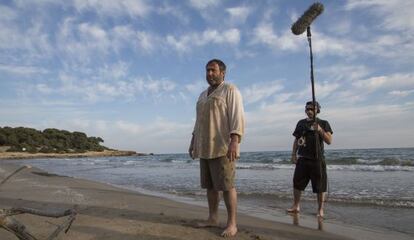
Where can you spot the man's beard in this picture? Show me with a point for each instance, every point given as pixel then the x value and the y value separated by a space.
pixel 215 81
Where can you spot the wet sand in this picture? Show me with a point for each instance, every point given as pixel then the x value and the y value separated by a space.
pixel 107 212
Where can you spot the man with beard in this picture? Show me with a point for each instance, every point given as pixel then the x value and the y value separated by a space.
pixel 217 133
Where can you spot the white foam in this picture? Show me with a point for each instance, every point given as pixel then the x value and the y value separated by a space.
pixel 370 168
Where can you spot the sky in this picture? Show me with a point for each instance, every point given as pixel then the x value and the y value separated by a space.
pixel 131 71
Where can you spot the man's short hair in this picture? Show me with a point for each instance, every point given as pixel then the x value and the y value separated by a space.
pixel 220 63
pixel 310 103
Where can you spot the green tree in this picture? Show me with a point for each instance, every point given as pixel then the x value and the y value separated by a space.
pixel 48 140
pixel 3 139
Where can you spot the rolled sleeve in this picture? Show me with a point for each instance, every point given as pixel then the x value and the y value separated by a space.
pixel 235 112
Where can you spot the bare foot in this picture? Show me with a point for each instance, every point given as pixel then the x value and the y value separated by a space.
pixel 229 232
pixel 320 214
pixel 207 224
pixel 293 210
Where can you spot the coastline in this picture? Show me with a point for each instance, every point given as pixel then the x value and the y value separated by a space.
pixel 105 153
pixel 107 212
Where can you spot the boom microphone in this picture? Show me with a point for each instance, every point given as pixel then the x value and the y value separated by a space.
pixel 307 18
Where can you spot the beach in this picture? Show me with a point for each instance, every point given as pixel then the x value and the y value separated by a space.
pixel 158 197
pixel 106 212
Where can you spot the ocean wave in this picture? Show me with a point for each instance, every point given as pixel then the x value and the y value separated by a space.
pixel 345 161
pixel 376 202
pixel 167 160
pixel 356 200
pixel 382 157
pixel 369 168
pixel 263 166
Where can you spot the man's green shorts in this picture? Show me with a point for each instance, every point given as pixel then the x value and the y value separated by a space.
pixel 217 173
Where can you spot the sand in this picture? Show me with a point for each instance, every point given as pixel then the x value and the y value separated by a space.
pixel 107 212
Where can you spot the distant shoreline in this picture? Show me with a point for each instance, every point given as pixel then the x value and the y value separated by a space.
pixel 105 153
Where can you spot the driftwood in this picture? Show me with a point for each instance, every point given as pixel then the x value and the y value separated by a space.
pixel 19 230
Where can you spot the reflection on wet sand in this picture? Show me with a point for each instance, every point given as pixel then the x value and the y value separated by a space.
pixel 296 216
pixel 320 223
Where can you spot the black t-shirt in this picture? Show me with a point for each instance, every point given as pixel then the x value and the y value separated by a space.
pixel 303 129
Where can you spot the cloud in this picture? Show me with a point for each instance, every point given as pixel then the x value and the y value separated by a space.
pixel 239 14
pixel 342 72
pixel 114 72
pixel 368 116
pixel 43 88
pixel 82 42
pixel 402 93
pixel 264 34
pixel 385 45
pixel 350 85
pixel 186 42
pixel 119 8
pixel 145 41
pixel 92 32
pixel 260 91
pixel 341 27
pixel 354 126
pixel 196 87
pixel 357 126
pixel 322 90
pixel 271 125
pixel 127 127
pixel 157 86
pixel 382 45
pixel 125 36
pixel 30 43
pixel 24 4
pixel 326 88
pixel 103 89
pixel 325 44
pixel 22 70
pixel 398 80
pixel 176 12
pixel 395 15
pixel 203 4
pixel 172 135
pixel 7 14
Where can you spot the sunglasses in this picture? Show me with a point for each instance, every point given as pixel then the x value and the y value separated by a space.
pixel 309 109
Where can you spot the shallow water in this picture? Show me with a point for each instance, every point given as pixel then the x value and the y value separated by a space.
pixel 371 187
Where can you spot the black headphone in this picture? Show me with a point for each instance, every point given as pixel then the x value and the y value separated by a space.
pixel 317 105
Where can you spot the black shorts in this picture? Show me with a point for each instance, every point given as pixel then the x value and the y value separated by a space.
pixel 309 169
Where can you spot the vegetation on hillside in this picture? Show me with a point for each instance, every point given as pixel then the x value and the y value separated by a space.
pixel 50 140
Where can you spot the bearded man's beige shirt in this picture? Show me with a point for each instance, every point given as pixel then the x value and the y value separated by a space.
pixel 219 115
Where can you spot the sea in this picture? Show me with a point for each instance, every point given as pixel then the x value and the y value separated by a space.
pixel 368 188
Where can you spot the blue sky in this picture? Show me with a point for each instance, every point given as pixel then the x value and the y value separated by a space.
pixel 130 71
